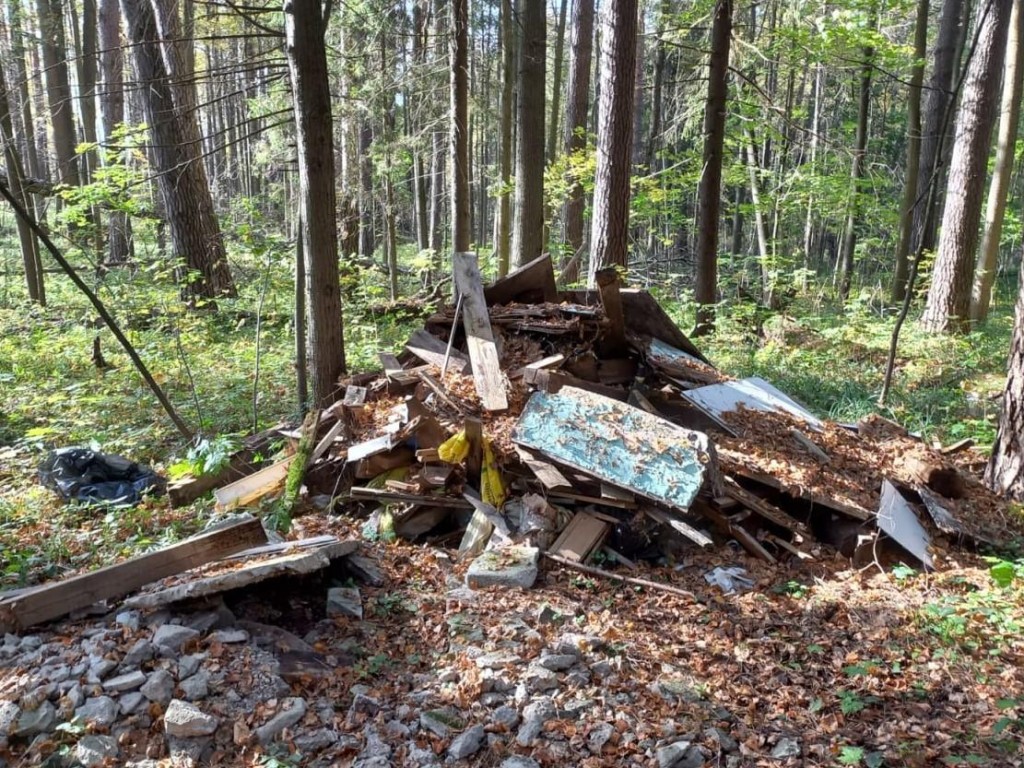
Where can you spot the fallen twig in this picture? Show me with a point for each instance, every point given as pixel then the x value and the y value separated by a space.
pixel 589 569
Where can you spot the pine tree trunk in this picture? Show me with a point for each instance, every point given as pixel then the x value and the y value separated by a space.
pixel 1009 117
pixel 311 95
pixel 1005 472
pixel 184 190
pixel 610 227
pixel 58 91
pixel 461 223
pixel 508 70
pixel 528 232
pixel 949 298
pixel 119 227
pixel 577 108
pixel 709 191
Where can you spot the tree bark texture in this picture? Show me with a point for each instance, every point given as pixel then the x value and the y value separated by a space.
pixel 949 297
pixel 461 222
pixel 503 227
pixel 609 232
pixel 1005 471
pixel 709 191
pixel 181 175
pixel 119 226
pixel 577 107
pixel 58 90
pixel 311 95
pixel 995 209
pixel 528 232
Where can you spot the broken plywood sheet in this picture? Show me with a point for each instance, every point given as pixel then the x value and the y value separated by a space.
pixel 944 519
pixel 616 443
pixel 897 519
pixel 253 487
pixel 483 353
pixel 581 536
pixel 292 564
pixel 754 394
pixel 532 283
pixel 430 349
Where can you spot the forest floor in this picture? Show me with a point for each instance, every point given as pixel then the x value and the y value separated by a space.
pixel 818 663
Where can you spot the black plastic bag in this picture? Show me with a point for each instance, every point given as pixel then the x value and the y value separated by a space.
pixel 82 474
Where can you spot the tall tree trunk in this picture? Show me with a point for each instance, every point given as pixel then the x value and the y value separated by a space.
pixel 508 82
pixel 709 192
pixel 528 232
pixel 367 235
pixel 461 224
pixel 911 198
pixel 939 92
pixel 556 83
pixel 15 180
pixel 609 232
pixel 311 95
pixel 577 107
pixel 819 78
pixel 761 234
pixel 1009 117
pixel 27 126
pixel 119 227
pixel 860 145
pixel 1005 471
pixel 58 91
pixel 181 176
pixel 949 297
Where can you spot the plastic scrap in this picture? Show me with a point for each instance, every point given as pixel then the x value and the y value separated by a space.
pixel 492 489
pixel 82 474
pixel 454 449
pixel 729 580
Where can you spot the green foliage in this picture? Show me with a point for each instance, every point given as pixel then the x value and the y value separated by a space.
pixel 207 457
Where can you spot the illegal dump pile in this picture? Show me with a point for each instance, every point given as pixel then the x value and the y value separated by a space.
pixel 526 421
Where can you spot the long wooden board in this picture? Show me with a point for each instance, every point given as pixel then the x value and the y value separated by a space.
pixel 483 353
pixel 52 601
pixel 430 349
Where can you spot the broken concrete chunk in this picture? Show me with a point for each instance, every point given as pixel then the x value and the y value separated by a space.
pixel 345 601
pixel 94 751
pixel 171 638
pixel 467 743
pixel 186 721
pixel 507 567
pixel 292 711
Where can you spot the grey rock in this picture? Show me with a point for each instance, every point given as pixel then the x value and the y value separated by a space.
pixel 508 567
pixel 56 673
pixel 364 705
pixel 680 754
pixel 577 678
pixel 506 716
pixel 415 755
pixel 196 687
pixel 317 740
pixel 518 761
pixel 548 615
pixel 171 638
pixel 497 660
pixel 127 682
pixel 396 729
pixel 601 669
pixel 129 702
pixel 725 741
pixel 204 621
pixel 185 721
pixel 467 743
pixel 33 722
pixel 190 752
pixel 786 747
pixel 345 601
pixel 539 679
pixel 93 751
pixel 292 710
pixel 558 662
pixel 441 722
pixel 493 699
pixel 535 715
pixel 159 687
pixel 375 751
pixel 74 696
pixel 31 642
pixel 187 665
pixel 9 714
pixel 129 619
pixel 228 636
pixel 599 735
pixel 101 668
pixel 138 654
pixel 100 711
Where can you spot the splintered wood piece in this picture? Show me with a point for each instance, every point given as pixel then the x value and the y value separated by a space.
pixel 327 440
pixel 546 473
pixel 959 445
pixel 616 443
pixel 532 283
pixel 581 536
pixel 438 390
pixel 355 397
pixel 429 433
pixel 660 516
pixel 389 497
pixel 580 498
pixel 242 463
pixel 547 362
pixel 611 301
pixel 737 493
pixel 369 448
pixel 738 532
pixel 430 349
pixel 390 363
pixel 52 601
pixel 253 487
pixel 425 455
pixel 553 381
pixel 483 353
pixel 435 475
pixel 592 571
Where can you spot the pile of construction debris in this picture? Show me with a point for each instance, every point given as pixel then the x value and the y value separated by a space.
pixel 574 422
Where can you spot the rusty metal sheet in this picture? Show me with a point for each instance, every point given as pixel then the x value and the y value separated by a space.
pixel 898 519
pixel 754 394
pixel 616 443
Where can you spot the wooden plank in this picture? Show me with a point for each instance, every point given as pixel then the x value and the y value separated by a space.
pixel 483 353
pixel 241 464
pixel 752 393
pixel 374 465
pixel 553 381
pixel 425 455
pixel 546 362
pixel 615 334
pixel 253 487
pixel 581 536
pixel 355 397
pixel 580 498
pixel 810 446
pixel 661 516
pixel 430 349
pixel 546 473
pixel 425 500
pixel 327 441
pixel 616 443
pixel 429 433
pixel 281 547
pixel 52 601
pixel 959 445
pixel 768 511
pixel 438 390
pixel 532 283
pixel 735 530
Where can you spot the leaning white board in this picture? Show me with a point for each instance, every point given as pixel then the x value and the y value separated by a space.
pixel 754 394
